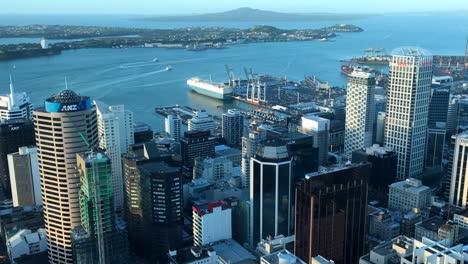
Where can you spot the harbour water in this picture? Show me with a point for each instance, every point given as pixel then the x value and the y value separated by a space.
pixel 131 77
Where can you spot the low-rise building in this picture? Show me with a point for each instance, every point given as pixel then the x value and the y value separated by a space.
pixel 26 243
pixel 406 195
pixel 391 252
pixel 282 257
pixel 212 222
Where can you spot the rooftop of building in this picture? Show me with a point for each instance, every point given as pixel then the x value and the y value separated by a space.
pixel 432 224
pixel 377 150
pixel 282 256
pixel 94 156
pixel 14 122
pixel 362 72
pixel 207 207
pixel 196 133
pixel 231 252
pixel 157 167
pixel 410 185
pixel 273 150
pixel 333 168
pixel 141 127
pixel 410 51
pixel 223 150
pixel 66 96
pixel 190 254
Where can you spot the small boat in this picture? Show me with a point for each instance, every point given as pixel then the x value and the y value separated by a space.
pixel 323 39
pixel 156 59
pixel 169 68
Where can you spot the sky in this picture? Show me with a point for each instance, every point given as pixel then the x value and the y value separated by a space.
pixel 168 7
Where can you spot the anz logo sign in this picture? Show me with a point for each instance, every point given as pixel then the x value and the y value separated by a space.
pixel 54 107
pixel 69 108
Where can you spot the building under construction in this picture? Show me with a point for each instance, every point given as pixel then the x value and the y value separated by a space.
pixel 100 238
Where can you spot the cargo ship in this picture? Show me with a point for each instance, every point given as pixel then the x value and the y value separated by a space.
pixel 215 90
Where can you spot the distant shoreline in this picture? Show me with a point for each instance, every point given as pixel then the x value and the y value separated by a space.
pixel 193 39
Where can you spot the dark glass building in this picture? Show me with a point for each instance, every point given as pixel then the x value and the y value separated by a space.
pixel 14 133
pixel 331 214
pixel 382 173
pixel 271 191
pixel 196 144
pixel 437 126
pixel 142 133
pixel 154 201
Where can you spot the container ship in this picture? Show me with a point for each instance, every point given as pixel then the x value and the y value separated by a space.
pixel 216 90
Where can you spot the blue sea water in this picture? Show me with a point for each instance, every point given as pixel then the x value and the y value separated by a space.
pixel 128 76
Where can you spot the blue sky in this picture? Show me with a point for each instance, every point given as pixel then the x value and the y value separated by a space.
pixel 202 6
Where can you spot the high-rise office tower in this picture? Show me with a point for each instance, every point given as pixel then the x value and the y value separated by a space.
pixel 452 114
pixel 24 177
pixel 437 127
pixel 250 144
pixel 60 127
pixel 382 172
pixel 232 127
pixel 458 191
pixel 98 239
pixel 201 121
pixel 438 107
pixel 271 191
pixel 407 109
pixel 196 144
pixel 14 133
pixel 360 111
pixel 319 128
pixel 380 128
pixel 115 128
pixel 173 125
pixel 154 202
pixel 331 214
pixel 15 105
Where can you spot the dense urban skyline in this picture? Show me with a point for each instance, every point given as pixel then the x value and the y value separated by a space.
pixel 321 138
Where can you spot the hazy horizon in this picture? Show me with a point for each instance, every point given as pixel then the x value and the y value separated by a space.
pixel 190 7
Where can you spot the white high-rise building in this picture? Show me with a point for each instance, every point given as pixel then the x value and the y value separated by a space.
pixel 459 178
pixel 360 111
pixel 212 222
pixel 319 128
pixel 24 177
pixel 380 128
pixel 15 105
pixel 233 125
pixel 173 127
pixel 409 89
pixel 201 121
pixel 115 127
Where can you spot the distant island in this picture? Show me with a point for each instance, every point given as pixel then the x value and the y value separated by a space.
pixel 194 38
pixel 247 14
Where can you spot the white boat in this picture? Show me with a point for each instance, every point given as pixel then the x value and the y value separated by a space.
pixel 156 59
pixel 169 68
pixel 218 91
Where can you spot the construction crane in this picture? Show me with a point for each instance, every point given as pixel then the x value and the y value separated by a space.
pixel 97 202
